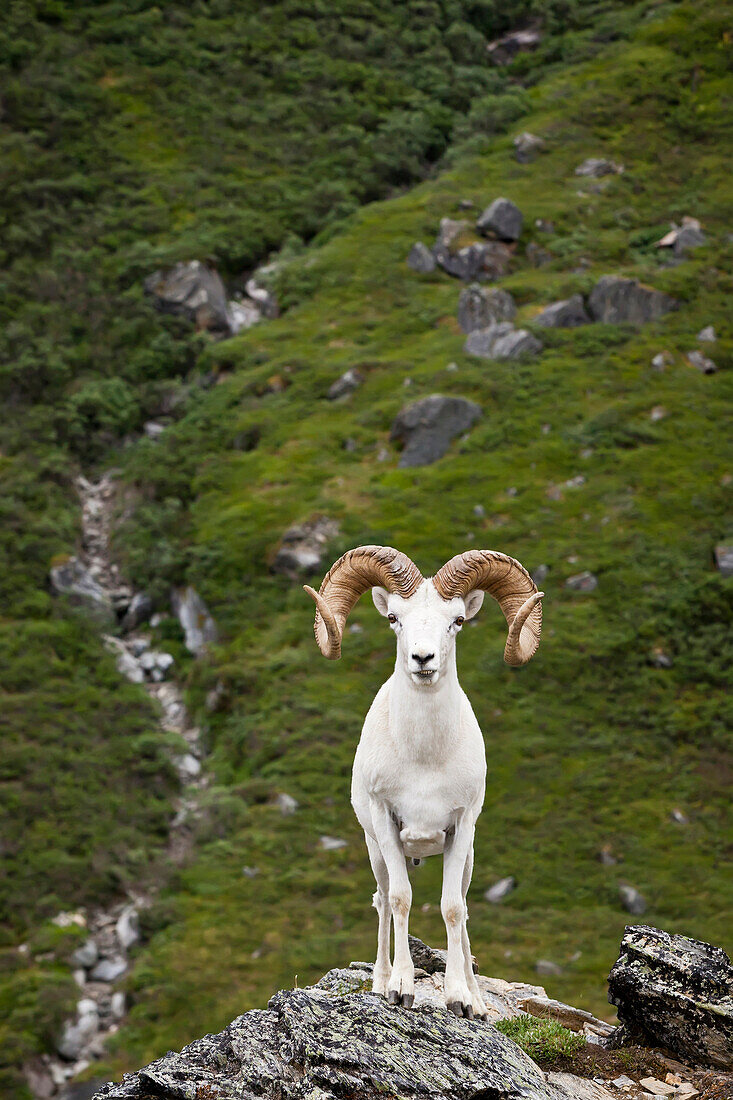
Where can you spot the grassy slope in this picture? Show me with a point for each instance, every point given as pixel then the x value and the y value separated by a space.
pixel 589 744
pixel 589 748
pixel 132 135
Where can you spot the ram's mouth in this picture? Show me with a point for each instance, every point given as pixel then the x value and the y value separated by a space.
pixel 425 675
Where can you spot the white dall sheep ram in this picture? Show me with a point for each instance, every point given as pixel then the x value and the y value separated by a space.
pixel 420 768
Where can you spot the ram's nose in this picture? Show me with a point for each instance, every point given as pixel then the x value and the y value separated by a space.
pixel 422 658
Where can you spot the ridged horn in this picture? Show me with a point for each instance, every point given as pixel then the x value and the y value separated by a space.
pixel 348 579
pixel 510 585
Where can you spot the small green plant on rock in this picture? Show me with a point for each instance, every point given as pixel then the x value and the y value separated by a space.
pixel 547 1041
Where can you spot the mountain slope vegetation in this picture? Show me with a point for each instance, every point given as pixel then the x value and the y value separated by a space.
pixel 138 136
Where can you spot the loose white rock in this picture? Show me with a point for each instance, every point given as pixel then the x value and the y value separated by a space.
pixel 331 843
pixel 500 890
pixel 128 927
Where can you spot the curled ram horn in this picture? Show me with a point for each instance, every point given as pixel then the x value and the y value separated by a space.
pixel 509 584
pixel 348 579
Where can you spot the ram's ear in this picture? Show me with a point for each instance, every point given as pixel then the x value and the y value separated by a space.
pixel 473 602
pixel 380 597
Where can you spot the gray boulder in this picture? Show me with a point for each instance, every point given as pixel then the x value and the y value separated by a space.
pixel 139 611
pixel 502 220
pixel 598 166
pixel 77 1034
pixel 109 970
pixel 127 927
pixel 674 992
pixel 503 50
pixel 427 427
pixel 615 300
pixel 701 362
pixel 502 341
pixel 349 381
pixel 567 314
pixel 335 1040
pixel 582 582
pixel 527 146
pixel 681 238
pixel 421 259
pixel 198 626
pixel 303 547
pixel 479 307
pixel 458 252
pixel 74 579
pixel 194 291
pixel 265 300
pixel 242 313
pixel 86 955
pixel 632 900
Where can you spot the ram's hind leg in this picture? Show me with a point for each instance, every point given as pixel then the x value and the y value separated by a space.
pixel 383 965
pixel 477 1002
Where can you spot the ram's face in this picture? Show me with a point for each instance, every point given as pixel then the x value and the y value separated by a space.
pixel 426 626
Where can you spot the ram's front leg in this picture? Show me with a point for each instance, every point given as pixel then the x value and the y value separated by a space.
pixel 458 995
pixel 401 985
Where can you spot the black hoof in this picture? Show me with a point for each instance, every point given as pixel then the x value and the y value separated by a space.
pixel 456 1008
pixel 393 997
pixel 484 1018
pixel 407 999
pixel 468 1012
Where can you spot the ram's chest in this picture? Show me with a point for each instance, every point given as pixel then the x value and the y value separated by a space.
pixel 423 798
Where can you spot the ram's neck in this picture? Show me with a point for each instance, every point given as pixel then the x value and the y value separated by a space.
pixel 425 717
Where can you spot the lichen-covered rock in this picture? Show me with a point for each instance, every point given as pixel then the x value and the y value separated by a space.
pixel 459 252
pixel 527 146
pixel 502 341
pixel 502 50
pixel 76 580
pixel 503 220
pixel 427 427
pixel 303 546
pixel 566 314
pixel 479 307
pixel 615 300
pixel 675 992
pixel 421 259
pixel 193 290
pixel 195 618
pixel 598 166
pixel 349 381
pixel 328 1043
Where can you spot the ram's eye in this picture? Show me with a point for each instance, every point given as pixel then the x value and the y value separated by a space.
pixel 460 620
pixel 391 618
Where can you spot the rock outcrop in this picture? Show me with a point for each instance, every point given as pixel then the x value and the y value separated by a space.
pixel 479 307
pixel 675 992
pixel 303 547
pixel 598 166
pixel 196 292
pixel 566 314
pixel 502 220
pixel 502 341
pixel 195 618
pixel 527 146
pixel 338 1039
pixel 459 252
pixel 503 50
pixel 615 300
pixel 421 259
pixel 427 427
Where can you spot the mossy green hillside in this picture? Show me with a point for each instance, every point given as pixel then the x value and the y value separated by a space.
pixel 591 744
